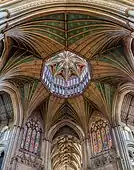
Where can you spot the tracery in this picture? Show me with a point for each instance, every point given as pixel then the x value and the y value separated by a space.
pixel 100 136
pixel 32 136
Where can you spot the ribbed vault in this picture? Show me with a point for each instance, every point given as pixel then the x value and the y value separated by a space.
pixel 66 150
pixel 84 34
pixel 97 38
pixel 98 31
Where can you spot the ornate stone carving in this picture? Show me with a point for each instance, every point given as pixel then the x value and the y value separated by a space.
pixel 131 152
pixel 103 159
pixel 28 159
pixel 31 4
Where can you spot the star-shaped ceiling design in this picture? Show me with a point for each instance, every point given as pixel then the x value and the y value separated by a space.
pixel 29 43
pixel 66 74
pixel 66 65
pixel 32 41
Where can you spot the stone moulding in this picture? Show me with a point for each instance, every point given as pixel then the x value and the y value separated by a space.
pixel 104 159
pixel 28 159
pixel 25 6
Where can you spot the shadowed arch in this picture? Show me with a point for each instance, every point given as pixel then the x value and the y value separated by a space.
pixel 61 124
pixel 120 94
pixel 15 98
pixel 66 148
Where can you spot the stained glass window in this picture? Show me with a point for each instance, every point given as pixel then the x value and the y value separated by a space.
pixel 94 142
pixel 32 136
pixel 100 136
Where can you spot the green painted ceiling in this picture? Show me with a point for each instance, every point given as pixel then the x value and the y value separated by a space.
pixel 67 28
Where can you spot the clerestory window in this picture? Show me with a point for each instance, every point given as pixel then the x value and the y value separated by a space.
pixel 32 136
pixel 100 136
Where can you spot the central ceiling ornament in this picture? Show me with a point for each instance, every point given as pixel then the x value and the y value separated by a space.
pixel 66 74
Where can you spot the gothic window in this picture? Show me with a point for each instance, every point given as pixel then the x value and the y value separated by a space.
pixel 32 136
pixel 6 108
pixel 100 136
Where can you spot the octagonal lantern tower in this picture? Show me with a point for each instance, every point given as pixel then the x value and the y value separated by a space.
pixel 66 74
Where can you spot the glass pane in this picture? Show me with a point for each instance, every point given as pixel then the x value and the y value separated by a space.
pixel 94 142
pixel 31 136
pixel 99 141
pixel 101 137
pixel 104 139
pixel 32 141
pixel 109 137
pixel 28 138
pixel 37 142
pixel 24 136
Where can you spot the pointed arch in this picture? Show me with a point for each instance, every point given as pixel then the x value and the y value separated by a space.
pixel 62 123
pixel 66 145
pixel 16 101
pixel 120 94
pixel 32 135
pixel 100 134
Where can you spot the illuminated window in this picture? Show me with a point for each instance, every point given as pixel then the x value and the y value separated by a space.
pixel 100 136
pixel 32 136
pixel 66 74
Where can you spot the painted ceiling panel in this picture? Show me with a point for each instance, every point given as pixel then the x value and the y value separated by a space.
pixel 88 36
pixel 81 33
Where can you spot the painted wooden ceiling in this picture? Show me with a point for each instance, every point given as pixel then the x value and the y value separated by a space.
pixel 99 40
pixel 103 40
pixel 80 33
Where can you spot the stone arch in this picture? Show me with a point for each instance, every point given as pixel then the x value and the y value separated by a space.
pixel 96 118
pixel 33 9
pixel 16 102
pixel 116 109
pixel 100 8
pixel 17 121
pixel 61 124
pixel 75 144
pixel 97 115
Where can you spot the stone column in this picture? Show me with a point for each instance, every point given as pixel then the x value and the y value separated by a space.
pixel 46 154
pixel 12 147
pixel 121 147
pixel 86 153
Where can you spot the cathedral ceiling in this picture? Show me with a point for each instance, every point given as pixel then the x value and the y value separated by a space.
pixel 83 34
pixel 99 36
pixel 31 32
pixel 66 151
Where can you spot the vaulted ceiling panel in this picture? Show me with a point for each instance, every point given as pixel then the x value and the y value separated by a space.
pixel 97 38
pixel 81 33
